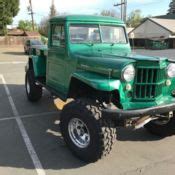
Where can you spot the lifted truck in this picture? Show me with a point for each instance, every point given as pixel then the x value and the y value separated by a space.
pixel 89 60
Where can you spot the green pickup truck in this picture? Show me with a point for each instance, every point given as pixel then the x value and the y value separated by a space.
pixel 89 61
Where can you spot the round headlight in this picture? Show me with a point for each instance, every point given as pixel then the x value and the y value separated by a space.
pixel 171 70
pixel 128 73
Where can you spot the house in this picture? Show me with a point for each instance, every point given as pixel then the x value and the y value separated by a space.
pixel 18 37
pixel 15 32
pixel 129 29
pixel 159 29
pixel 32 34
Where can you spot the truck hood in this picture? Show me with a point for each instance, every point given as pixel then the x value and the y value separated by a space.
pixel 130 56
pixel 103 61
pixel 100 61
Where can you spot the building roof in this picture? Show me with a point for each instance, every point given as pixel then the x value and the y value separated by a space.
pixel 90 18
pixel 32 34
pixel 18 32
pixel 15 32
pixel 129 29
pixel 168 24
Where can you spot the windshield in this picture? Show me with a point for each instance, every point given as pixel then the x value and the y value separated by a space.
pixel 91 34
pixel 85 34
pixel 36 42
pixel 113 34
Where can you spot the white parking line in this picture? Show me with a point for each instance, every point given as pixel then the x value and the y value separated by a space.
pixel 13 62
pixel 28 143
pixel 29 116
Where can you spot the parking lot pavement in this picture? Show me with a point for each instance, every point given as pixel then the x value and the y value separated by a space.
pixel 14 158
pixel 170 53
pixel 135 152
pixel 5 109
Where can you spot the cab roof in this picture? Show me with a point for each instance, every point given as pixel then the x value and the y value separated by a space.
pixel 87 18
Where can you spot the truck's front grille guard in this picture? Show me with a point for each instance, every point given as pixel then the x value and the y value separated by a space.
pixel 148 83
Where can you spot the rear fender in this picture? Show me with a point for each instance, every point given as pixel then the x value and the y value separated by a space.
pixel 38 65
pixel 29 65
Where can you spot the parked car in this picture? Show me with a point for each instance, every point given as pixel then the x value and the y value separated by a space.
pixel 31 43
pixel 89 60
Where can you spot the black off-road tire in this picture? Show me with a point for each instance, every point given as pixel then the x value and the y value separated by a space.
pixel 102 132
pixel 162 130
pixel 34 91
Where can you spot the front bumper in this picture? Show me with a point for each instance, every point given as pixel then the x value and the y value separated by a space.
pixel 122 115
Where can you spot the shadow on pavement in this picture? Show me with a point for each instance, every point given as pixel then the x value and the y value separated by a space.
pixel 49 144
pixel 125 134
pixel 42 130
pixel 45 136
pixel 14 53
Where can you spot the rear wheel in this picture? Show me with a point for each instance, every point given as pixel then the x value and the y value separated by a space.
pixel 162 128
pixel 89 136
pixel 33 91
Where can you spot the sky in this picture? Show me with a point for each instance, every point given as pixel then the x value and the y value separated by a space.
pixel 41 7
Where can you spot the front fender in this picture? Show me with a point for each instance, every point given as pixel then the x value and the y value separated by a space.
pixel 99 82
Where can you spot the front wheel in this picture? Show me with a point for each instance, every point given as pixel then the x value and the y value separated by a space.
pixel 88 136
pixel 162 128
pixel 33 91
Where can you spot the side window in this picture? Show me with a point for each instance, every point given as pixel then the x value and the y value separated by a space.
pixel 58 36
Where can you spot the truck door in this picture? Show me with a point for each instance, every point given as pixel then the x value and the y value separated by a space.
pixel 56 59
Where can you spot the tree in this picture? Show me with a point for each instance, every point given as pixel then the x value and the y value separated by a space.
pixel 109 13
pixel 135 18
pixel 172 7
pixel 26 25
pixel 53 11
pixel 8 10
pixel 44 24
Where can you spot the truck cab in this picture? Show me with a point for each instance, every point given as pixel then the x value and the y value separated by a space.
pixel 89 60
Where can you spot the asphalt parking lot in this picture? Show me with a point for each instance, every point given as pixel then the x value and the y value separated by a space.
pixel 30 141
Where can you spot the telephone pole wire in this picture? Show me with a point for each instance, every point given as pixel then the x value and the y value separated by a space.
pixel 123 5
pixel 30 9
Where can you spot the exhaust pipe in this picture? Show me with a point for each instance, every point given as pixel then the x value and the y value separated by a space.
pixel 140 123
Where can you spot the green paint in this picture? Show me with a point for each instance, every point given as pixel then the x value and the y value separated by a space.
pixel 100 65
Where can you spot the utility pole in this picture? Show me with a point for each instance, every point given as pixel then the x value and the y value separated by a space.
pixel 30 9
pixel 123 5
pixel 125 11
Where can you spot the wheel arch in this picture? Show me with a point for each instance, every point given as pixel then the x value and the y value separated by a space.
pixel 79 88
pixel 30 62
pixel 38 65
